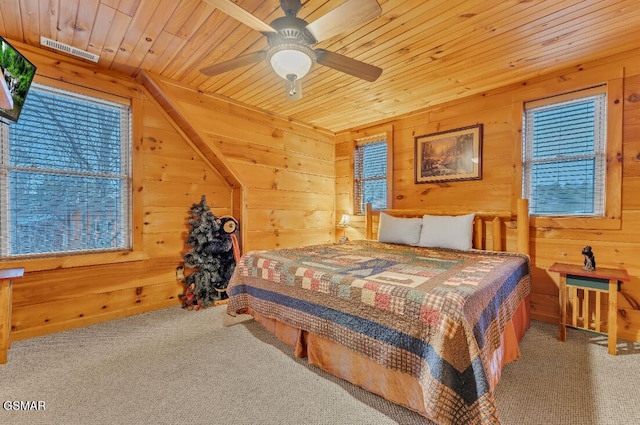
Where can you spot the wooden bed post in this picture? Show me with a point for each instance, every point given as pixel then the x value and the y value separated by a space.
pixel 523 226
pixel 368 221
pixel 497 234
pixel 478 227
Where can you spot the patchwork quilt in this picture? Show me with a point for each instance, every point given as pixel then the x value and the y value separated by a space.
pixel 435 314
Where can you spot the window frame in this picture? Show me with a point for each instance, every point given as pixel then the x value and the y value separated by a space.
pixel 367 136
pixel 613 154
pixel 134 253
pixel 598 96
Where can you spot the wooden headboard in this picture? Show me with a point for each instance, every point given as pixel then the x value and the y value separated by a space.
pixel 481 233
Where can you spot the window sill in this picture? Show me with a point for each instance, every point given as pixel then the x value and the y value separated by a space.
pixel 587 223
pixel 32 264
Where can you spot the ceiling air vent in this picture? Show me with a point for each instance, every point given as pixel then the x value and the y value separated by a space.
pixel 47 42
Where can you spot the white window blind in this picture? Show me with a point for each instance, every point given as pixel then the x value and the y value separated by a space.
pixel 370 175
pixel 564 155
pixel 65 183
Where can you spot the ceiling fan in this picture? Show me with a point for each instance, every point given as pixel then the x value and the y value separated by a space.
pixel 290 39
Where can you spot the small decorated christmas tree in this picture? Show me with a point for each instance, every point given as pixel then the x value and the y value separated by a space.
pixel 211 256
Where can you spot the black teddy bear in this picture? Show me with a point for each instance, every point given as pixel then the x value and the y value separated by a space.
pixel 213 253
pixel 589 259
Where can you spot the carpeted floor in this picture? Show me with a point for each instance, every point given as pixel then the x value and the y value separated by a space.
pixel 203 367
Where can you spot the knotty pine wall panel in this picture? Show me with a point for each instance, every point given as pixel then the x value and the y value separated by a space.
pixel 65 292
pixel 60 307
pixel 287 169
pixel 500 113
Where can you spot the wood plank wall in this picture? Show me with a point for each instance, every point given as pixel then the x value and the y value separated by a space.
pixel 67 292
pixel 287 169
pixel 500 112
pixel 280 173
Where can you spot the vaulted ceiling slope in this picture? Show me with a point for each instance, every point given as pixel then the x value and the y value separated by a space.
pixel 431 51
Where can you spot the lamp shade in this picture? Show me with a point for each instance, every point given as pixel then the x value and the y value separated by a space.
pixel 287 60
pixel 344 220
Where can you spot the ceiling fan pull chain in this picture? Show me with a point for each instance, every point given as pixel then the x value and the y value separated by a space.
pixel 292 84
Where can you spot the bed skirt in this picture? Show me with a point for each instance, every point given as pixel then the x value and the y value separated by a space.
pixel 395 386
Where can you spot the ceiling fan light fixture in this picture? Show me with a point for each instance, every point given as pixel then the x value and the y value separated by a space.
pixel 291 59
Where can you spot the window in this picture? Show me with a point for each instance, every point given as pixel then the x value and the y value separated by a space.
pixel 564 154
pixel 370 175
pixel 65 180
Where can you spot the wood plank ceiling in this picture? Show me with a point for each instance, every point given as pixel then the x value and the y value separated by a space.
pixel 430 51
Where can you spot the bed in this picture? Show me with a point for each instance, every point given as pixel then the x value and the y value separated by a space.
pixel 427 321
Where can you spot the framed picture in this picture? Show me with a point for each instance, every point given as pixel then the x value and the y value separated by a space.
pixel 449 155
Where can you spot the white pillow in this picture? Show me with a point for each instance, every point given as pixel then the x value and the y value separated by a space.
pixel 399 229
pixel 447 231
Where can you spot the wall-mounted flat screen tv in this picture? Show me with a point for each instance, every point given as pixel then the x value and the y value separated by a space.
pixel 17 75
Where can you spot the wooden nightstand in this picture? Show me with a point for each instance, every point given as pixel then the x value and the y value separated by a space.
pixel 591 284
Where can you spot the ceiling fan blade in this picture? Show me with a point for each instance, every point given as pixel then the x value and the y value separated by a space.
pixel 237 12
pixel 347 65
pixel 348 15
pixel 240 61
